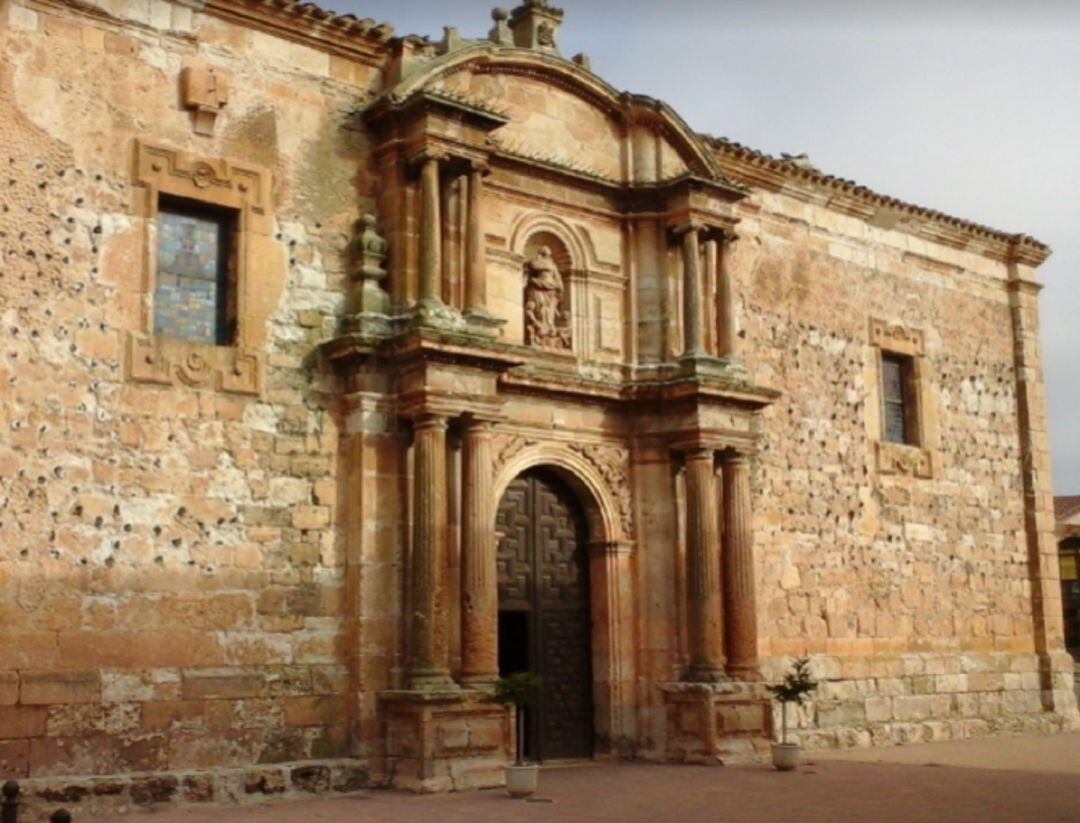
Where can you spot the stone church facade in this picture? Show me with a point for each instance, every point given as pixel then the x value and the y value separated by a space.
pixel 343 372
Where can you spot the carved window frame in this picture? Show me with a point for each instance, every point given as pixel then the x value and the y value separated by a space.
pixel 242 188
pixel 917 459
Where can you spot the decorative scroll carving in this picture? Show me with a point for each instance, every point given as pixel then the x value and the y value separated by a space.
pixel 896 338
pixel 168 363
pixel 506 446
pixel 613 464
pixel 895 458
pixel 546 324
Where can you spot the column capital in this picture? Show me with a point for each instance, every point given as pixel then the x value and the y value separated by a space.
pixel 429 420
pixel 425 155
pixel 694 451
pixel 479 166
pixel 706 231
pixel 733 458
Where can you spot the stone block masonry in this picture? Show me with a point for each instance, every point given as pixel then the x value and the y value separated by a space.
pixel 248 496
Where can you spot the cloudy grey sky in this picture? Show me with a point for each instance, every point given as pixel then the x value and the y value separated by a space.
pixel 967 106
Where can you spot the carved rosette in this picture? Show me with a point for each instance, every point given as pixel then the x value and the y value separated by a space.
pixel 613 465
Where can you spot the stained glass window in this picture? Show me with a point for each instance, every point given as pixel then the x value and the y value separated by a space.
pixel 192 287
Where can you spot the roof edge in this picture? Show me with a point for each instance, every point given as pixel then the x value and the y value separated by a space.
pixel 753 167
pixel 309 24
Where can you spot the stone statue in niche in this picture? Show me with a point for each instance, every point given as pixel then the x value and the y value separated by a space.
pixel 545 320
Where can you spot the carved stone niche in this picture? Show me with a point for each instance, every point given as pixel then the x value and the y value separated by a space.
pixel 244 189
pixel 546 302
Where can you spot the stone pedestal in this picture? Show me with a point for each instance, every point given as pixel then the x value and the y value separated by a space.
pixel 716 723
pixel 445 741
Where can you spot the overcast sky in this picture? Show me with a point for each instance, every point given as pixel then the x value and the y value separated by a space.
pixel 967 106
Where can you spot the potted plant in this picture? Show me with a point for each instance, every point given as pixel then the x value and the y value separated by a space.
pixel 519 690
pixel 796 686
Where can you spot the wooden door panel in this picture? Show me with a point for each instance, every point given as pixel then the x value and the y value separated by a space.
pixel 543 571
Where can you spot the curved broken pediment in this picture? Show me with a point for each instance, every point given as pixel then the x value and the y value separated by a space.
pixel 544 108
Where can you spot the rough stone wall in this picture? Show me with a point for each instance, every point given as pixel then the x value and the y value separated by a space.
pixel 173 559
pixel 171 578
pixel 912 594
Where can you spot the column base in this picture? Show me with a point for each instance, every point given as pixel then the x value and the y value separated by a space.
pixel 436 314
pixel 482 323
pixel 480 682
pixel 745 672
pixel 445 741
pixel 436 680
pixel 716 724
pixel 706 674
pixel 699 364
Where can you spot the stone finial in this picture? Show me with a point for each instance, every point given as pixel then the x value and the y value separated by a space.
pixel 500 33
pixel 367 252
pixel 534 24
pixel 204 91
pixel 451 40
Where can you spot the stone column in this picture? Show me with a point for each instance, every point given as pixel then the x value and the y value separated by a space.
pixel 726 335
pixel 430 232
pixel 740 608
pixel 427 659
pixel 692 342
pixel 479 589
pixel 475 274
pixel 703 567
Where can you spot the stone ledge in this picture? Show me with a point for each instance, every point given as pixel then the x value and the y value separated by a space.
pixel 118 794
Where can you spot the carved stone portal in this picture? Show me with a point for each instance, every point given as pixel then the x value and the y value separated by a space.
pixel 546 321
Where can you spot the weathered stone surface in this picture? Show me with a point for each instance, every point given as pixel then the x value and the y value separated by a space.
pixel 219 556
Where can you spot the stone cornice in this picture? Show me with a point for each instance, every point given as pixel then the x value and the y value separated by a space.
pixel 759 170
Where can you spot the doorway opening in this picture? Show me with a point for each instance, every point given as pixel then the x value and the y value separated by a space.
pixel 545 624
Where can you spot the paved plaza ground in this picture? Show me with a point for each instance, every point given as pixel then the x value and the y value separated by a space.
pixel 1004 778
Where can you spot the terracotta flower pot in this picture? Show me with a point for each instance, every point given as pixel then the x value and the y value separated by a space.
pixel 521 781
pixel 785 756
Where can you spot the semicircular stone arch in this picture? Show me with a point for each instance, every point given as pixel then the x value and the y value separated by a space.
pixel 529 229
pixel 605 514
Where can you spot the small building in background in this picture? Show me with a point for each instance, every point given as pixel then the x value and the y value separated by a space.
pixel 1067 515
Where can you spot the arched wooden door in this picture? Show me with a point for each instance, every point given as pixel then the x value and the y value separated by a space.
pixel 544 617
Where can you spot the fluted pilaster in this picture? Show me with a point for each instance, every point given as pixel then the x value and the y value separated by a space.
pixel 428 654
pixel 692 303
pixel 726 300
pixel 430 232
pixel 740 610
pixel 703 567
pixel 475 273
pixel 479 589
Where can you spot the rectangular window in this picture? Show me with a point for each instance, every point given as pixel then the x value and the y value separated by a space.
pixel 898 399
pixel 194 288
